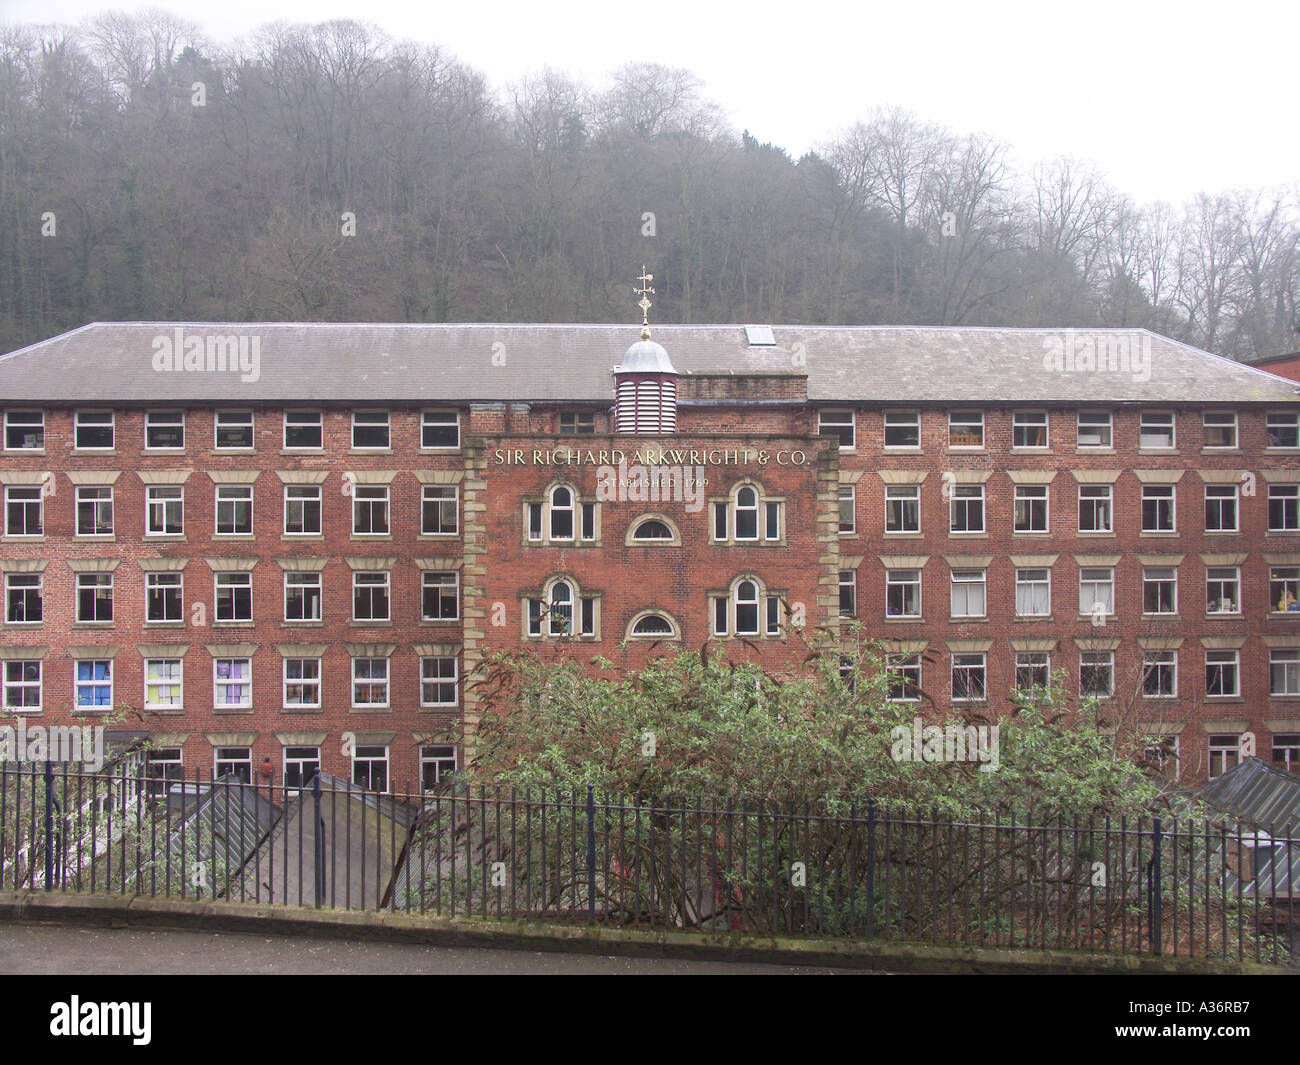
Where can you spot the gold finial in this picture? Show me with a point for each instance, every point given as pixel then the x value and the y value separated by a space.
pixel 645 292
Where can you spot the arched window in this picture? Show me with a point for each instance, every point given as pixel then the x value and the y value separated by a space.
pixel 746 514
pixel 561 513
pixel 652 625
pixel 746 598
pixel 561 608
pixel 652 529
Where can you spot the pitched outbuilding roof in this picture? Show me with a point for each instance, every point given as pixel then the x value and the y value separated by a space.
pixel 117 362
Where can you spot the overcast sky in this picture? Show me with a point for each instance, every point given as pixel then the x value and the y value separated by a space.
pixel 1169 99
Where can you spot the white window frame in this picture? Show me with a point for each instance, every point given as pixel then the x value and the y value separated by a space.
pixel 372 419
pixel 152 420
pixel 299 419
pixel 1095 421
pixel 1032 587
pixel 1030 419
pixel 426 422
pixel 1223 419
pixel 1149 421
pixel 217 426
pixel 177 682
pixel 9 423
pixel 78 425
pixel 245 683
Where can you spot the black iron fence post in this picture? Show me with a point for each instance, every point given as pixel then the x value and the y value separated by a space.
pixel 49 825
pixel 1154 916
pixel 591 854
pixel 871 868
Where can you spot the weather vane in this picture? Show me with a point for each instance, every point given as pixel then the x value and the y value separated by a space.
pixel 645 292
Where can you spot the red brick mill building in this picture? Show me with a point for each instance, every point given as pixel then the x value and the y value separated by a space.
pixel 262 537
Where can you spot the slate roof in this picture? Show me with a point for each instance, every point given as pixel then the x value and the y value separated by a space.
pixel 113 362
pixel 1267 800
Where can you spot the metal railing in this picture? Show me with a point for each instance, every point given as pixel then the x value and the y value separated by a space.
pixel 874 870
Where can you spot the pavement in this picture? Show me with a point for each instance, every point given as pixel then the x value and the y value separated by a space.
pixel 63 949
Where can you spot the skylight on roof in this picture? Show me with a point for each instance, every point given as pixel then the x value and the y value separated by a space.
pixel 759 336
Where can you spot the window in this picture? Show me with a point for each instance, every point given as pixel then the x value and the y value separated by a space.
pixel 1029 428
pixel 234 596
pixel 839 424
pixel 1222 673
pixel 652 529
pixel 902 429
pixel 370 590
pixel 301 764
pixel 1284 671
pixel 966 428
pixel 1220 508
pixel 968 593
pixel 1159 590
pixel 233 430
pixel 24 430
pixel 1031 508
pixel 163 597
pixel 163 767
pixel 1284 430
pixel 1225 752
pixel 94 598
pixel 23 600
pixel 302 596
pixel 94 684
pixel 370 768
pixel 440 596
pixel 304 430
pixel 22 685
pixel 903 508
pixel 1286 750
pixel 1095 508
pixel 1097 590
pixel 578 424
pixel 1095 429
pixel 23 511
pixel 94 510
pixel 1223 590
pixel 561 513
pixel 1284 589
pixel 1097 673
pixel 369 682
pixel 1160 674
pixel 1156 429
pixel 903 593
pixel 164 430
pixel 234 762
pixel 966 510
pixel 1284 507
pixel 739 612
pixel 232 683
pixel 1033 592
pixel 437 764
pixel 302 683
pixel 439 681
pixel 745 599
pixel 1032 670
pixel 848 593
pixel 968 678
pixel 1220 429
pixel 558 607
pixel 847 501
pixel 93 430
pixel 440 429
pixel 163 683
pixel 588 530
pixel 439 510
pixel 234 510
pixel 1158 508
pixel 655 625
pixel 740 516
pixel 164 510
pixel 370 510
pixel 370 429
pixel 904 678
pixel 302 510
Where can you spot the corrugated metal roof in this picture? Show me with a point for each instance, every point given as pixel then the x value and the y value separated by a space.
pixel 1267 802
pixel 109 362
